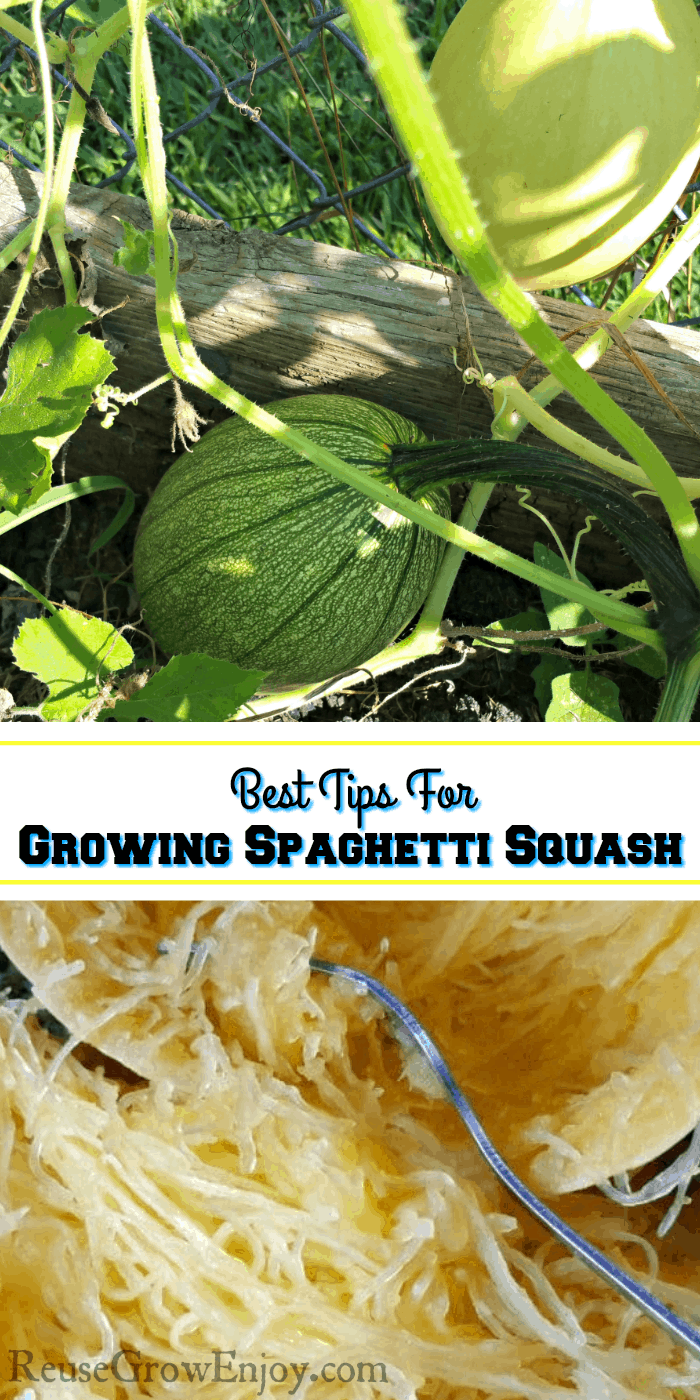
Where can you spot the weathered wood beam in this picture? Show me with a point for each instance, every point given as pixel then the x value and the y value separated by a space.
pixel 276 316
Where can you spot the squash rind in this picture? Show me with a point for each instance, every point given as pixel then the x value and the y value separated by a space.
pixel 576 125
pixel 252 554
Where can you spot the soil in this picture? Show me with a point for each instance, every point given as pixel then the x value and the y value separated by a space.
pixel 474 686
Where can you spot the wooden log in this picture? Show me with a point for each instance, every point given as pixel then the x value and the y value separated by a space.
pixel 277 316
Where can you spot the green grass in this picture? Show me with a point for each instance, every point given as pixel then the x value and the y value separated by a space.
pixel 226 159
pixel 231 164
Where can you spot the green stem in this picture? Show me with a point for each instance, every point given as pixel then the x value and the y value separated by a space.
pixel 16 245
pixel 417 469
pixel 436 601
pixel 631 308
pixel 15 578
pixel 182 358
pixel 398 75
pixel 86 53
pixel 48 174
pixel 57 235
pixel 621 615
pixel 420 643
pixel 56 49
pixel 508 394
pixel 681 688
pixel 71 491
pixel 136 394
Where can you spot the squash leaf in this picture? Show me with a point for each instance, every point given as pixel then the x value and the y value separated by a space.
pixel 194 688
pixel 73 655
pixel 563 613
pixel 135 254
pixel 583 697
pixel 543 674
pixel 647 660
pixel 51 374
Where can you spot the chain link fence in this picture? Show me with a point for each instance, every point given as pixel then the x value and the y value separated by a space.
pixel 342 200
pixel 198 92
pixel 218 91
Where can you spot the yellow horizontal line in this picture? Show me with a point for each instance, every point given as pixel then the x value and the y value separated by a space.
pixel 331 883
pixel 358 743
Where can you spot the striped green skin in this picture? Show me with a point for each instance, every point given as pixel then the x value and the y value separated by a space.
pixel 251 554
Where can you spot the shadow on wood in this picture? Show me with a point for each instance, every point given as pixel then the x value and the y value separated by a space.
pixel 276 316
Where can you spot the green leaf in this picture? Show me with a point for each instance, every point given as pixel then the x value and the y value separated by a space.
pixel 646 660
pixel 560 611
pixel 583 697
pixel 530 621
pixel 67 652
pixel 28 106
pixel 117 521
pixel 72 491
pixel 51 374
pixel 135 255
pixel 194 688
pixel 543 675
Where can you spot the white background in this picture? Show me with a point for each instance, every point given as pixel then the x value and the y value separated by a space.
pixel 572 778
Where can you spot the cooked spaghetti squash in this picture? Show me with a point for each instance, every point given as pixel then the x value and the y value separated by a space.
pixel 230 1159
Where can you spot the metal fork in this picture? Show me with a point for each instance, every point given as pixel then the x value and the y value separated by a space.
pixel 636 1293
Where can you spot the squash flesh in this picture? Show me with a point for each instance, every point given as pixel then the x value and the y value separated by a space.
pixel 577 126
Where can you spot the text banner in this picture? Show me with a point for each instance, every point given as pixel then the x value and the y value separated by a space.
pixel 288 809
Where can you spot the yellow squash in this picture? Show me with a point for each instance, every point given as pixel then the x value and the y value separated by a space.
pixel 576 123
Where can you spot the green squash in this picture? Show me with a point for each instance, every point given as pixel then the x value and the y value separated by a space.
pixel 576 124
pixel 251 554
